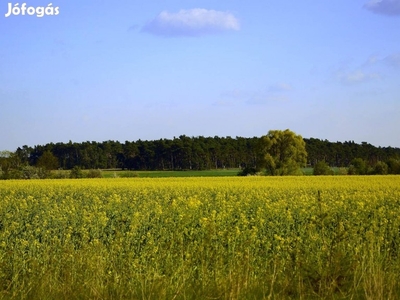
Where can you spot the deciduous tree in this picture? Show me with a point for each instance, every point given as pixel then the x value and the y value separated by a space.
pixel 282 153
pixel 48 161
pixel 322 168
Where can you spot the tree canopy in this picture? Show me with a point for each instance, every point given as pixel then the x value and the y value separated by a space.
pixel 194 153
pixel 47 161
pixel 282 152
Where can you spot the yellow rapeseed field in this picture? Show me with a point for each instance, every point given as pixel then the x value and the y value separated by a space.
pixel 334 237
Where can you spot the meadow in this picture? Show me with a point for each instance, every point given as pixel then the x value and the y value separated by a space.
pixel 184 173
pixel 306 237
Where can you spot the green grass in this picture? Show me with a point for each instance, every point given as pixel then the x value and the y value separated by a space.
pixel 188 173
pixel 310 171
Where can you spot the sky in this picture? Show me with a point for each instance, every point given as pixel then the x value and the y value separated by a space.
pixel 128 70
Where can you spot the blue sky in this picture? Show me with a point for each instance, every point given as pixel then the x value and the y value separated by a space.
pixel 129 70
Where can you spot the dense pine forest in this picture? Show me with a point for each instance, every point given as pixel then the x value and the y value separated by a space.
pixel 190 153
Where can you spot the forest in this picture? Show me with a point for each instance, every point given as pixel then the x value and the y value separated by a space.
pixel 188 153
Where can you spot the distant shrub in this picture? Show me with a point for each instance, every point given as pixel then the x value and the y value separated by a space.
pixel 26 172
pixel 76 172
pixel 381 168
pixel 29 172
pixel 60 174
pixel 248 171
pixel 342 171
pixel 128 174
pixel 94 173
pixel 358 167
pixel 322 168
pixel 351 170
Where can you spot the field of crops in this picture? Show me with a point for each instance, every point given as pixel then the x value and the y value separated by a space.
pixel 201 238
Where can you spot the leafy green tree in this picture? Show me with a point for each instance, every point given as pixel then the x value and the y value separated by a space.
pixel 76 172
pixel 10 160
pixel 380 168
pixel 48 161
pixel 322 168
pixel 282 153
pixel 358 167
pixel 393 165
pixel 24 154
pixel 191 153
pixel 30 172
pixel 4 164
pixel 10 165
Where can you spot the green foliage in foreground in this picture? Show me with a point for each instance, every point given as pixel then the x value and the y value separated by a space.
pixel 201 238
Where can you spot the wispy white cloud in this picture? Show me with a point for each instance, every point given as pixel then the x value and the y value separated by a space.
pixel 384 7
pixel 371 60
pixel 357 77
pixel 392 59
pixel 375 67
pixel 191 22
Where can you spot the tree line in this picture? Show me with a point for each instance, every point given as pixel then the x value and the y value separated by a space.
pixel 193 153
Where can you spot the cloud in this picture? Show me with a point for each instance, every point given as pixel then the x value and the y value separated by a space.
pixel 384 7
pixel 392 59
pixel 375 67
pixel 192 22
pixel 371 61
pixel 357 77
